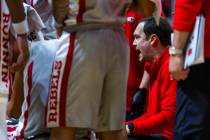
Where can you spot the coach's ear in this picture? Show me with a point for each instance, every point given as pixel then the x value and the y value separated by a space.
pixel 154 40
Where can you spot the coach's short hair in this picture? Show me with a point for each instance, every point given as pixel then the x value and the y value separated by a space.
pixel 163 30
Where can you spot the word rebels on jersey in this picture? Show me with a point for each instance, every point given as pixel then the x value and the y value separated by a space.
pixel 53 96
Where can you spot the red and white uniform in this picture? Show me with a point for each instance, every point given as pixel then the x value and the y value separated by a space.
pixel 88 84
pixel 90 78
pixel 30 101
pixel 36 84
pixel 4 48
pixel 5 43
pixel 4 58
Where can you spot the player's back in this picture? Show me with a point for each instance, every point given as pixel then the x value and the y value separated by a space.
pixel 44 9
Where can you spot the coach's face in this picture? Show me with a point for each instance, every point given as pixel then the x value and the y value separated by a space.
pixel 142 43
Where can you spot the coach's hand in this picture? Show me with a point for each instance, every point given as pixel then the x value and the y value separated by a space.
pixel 176 64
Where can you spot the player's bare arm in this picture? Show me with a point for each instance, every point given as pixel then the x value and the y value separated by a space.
pixel 20 26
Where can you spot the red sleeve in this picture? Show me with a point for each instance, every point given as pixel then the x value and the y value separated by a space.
pixel 156 124
pixel 185 14
pixel 147 66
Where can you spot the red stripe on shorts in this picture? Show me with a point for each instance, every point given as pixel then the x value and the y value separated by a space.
pixel 81 11
pixel 28 98
pixel 11 128
pixel 64 82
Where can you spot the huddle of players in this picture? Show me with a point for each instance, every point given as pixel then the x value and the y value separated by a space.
pixel 84 78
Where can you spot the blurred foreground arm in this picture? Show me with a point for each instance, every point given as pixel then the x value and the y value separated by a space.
pixel 20 26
